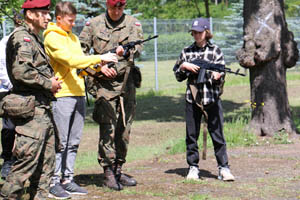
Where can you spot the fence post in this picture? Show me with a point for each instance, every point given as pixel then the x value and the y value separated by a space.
pixel 211 24
pixel 155 55
pixel 4 28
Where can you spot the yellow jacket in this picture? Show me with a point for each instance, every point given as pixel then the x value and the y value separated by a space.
pixel 66 56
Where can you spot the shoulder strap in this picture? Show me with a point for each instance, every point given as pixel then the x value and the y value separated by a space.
pixel 196 97
pixel 122 92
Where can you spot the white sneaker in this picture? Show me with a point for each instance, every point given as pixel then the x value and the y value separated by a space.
pixel 225 174
pixel 193 173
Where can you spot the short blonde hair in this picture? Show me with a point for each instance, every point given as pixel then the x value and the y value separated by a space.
pixel 63 8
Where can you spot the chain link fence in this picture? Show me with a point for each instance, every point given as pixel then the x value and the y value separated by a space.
pixel 174 36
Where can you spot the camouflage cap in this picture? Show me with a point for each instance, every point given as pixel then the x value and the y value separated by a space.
pixel 36 4
pixel 116 2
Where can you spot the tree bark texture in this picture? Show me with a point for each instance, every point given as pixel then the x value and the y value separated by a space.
pixel 269 49
pixel 207 8
pixel 197 7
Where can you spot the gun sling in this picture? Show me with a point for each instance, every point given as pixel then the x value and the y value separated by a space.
pixel 194 91
pixel 121 96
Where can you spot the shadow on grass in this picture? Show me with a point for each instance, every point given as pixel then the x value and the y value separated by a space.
pixel 169 108
pixel 184 171
pixel 152 106
pixel 229 106
pixel 235 111
pixel 90 179
pixel 160 108
pixel 296 117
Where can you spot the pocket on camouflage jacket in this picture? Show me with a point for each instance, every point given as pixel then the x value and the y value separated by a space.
pixel 17 106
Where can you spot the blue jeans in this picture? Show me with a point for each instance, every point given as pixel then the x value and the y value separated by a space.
pixel 69 114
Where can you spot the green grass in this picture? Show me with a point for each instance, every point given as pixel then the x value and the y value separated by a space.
pixel 167 105
pixel 86 160
pixel 281 137
pixel 144 152
pixel 293 75
pixel 201 197
pixel 133 191
pixel 234 135
pixel 236 120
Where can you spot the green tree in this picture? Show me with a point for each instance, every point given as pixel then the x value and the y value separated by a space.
pixel 178 9
pixel 8 6
pixel 89 8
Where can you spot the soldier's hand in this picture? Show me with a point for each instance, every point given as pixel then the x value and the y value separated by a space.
pixel 190 67
pixel 55 85
pixel 216 75
pixel 108 72
pixel 109 57
pixel 120 51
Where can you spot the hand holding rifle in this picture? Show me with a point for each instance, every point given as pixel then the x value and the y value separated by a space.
pixel 122 51
pixel 216 75
pixel 190 67
pixel 109 57
pixel 109 72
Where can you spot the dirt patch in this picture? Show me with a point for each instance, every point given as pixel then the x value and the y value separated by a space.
pixel 262 172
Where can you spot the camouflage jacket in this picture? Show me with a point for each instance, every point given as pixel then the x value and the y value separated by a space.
pixel 28 66
pixel 99 35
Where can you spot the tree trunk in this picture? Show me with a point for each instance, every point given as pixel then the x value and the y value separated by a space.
pixel 207 8
pixel 197 7
pixel 269 49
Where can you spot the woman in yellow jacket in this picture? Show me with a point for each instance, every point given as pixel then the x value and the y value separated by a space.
pixel 66 56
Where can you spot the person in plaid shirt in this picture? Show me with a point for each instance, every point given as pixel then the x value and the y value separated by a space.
pixel 203 99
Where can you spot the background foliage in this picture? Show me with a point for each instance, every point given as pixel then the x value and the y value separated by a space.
pixel 177 9
pixel 161 9
pixel 7 7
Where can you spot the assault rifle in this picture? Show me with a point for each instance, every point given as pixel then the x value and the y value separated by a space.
pixel 126 54
pixel 130 45
pixel 205 65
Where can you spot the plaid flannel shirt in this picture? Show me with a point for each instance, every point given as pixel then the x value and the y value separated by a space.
pixel 209 91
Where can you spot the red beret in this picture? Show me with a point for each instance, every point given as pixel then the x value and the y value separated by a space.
pixel 115 2
pixel 30 4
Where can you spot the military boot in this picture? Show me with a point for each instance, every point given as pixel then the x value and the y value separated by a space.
pixel 123 178
pixel 110 179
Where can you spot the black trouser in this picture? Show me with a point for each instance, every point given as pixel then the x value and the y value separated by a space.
pixel 7 138
pixel 215 129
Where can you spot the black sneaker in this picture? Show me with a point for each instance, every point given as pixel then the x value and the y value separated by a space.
pixel 73 188
pixel 58 192
pixel 6 167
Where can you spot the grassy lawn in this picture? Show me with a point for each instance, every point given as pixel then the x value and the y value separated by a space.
pixel 159 125
pixel 157 145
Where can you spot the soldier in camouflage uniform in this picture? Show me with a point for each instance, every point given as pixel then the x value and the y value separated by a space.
pixel 116 101
pixel 31 74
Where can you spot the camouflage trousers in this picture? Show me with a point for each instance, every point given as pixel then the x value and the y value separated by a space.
pixel 114 137
pixel 35 153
